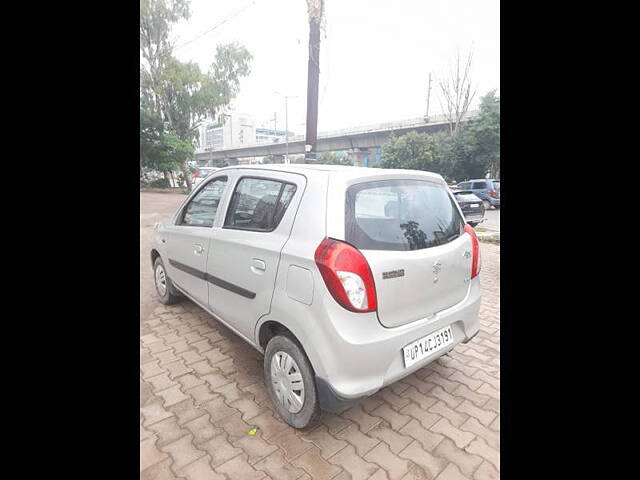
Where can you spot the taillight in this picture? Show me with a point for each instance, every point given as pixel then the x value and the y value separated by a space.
pixel 475 251
pixel 493 193
pixel 347 275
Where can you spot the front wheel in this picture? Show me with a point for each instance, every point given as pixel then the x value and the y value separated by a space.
pixel 290 381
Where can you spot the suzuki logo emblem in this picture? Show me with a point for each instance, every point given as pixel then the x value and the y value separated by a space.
pixel 436 270
pixel 437 267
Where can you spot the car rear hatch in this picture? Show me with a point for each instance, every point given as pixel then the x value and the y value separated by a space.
pixel 412 235
pixel 469 203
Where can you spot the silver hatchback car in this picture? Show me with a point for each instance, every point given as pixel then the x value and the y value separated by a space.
pixel 346 278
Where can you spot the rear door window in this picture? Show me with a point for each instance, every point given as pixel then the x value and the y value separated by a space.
pixel 400 215
pixel 258 204
pixel 479 185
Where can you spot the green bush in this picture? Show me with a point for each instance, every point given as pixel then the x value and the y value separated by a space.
pixel 160 183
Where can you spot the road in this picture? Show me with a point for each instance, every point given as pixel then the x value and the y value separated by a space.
pixel 153 207
pixel 492 221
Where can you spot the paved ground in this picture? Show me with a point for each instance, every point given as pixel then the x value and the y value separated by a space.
pixel 153 207
pixel 201 391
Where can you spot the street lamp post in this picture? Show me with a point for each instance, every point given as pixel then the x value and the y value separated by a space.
pixel 286 123
pixel 226 115
pixel 286 130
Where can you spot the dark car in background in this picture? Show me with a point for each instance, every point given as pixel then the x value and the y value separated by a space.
pixel 471 206
pixel 487 189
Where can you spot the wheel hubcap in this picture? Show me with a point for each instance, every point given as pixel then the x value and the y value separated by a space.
pixel 161 280
pixel 287 382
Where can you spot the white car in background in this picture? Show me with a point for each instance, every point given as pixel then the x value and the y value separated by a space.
pixel 200 174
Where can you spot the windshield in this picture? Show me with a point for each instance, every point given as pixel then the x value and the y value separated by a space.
pixel 400 215
pixel 466 196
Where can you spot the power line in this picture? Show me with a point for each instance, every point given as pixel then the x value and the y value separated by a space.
pixel 216 25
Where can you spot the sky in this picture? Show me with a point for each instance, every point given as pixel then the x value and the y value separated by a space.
pixel 375 55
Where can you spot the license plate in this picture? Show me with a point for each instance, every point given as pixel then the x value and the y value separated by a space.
pixel 426 346
pixel 474 205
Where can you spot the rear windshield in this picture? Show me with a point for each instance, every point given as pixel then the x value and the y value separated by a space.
pixel 466 197
pixel 400 215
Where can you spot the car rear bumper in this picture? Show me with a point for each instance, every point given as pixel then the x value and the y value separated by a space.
pixel 474 217
pixel 355 366
pixel 494 201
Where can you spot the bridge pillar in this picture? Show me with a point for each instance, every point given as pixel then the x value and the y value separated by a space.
pixel 361 157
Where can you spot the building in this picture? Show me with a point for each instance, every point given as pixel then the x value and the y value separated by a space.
pixel 227 131
pixel 269 135
pixel 236 130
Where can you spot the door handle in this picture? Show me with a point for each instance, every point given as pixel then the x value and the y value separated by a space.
pixel 198 249
pixel 258 265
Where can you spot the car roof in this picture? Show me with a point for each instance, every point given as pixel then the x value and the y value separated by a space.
pixel 343 171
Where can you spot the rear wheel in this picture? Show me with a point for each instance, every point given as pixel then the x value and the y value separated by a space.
pixel 473 224
pixel 164 287
pixel 289 378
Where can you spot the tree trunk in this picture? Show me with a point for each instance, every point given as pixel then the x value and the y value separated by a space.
pixel 187 176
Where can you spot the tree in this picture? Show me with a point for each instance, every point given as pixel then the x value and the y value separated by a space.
pixel 472 153
pixel 178 93
pixel 161 150
pixel 156 20
pixel 457 93
pixel 333 158
pixel 416 151
pixel 485 133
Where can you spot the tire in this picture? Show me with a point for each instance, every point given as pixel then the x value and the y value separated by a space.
pixel 168 295
pixel 473 224
pixel 486 204
pixel 278 349
pixel 497 207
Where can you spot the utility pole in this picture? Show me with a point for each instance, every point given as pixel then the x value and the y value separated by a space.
pixel 315 10
pixel 426 117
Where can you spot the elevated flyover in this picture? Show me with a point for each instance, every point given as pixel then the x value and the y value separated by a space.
pixel 358 141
